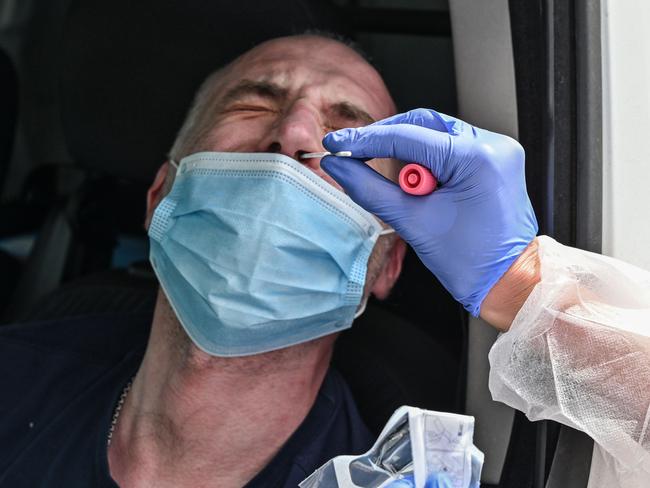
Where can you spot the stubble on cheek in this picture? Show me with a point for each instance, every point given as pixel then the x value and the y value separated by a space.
pixel 377 260
pixel 175 335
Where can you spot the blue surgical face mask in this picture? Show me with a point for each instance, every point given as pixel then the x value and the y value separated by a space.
pixel 255 252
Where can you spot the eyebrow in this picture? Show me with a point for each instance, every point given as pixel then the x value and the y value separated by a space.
pixel 349 111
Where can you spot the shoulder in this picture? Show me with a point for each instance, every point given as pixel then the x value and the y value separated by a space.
pixel 346 419
pixel 54 375
pixel 96 338
pixel 42 359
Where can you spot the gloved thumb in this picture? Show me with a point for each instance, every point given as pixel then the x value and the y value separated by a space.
pixel 377 194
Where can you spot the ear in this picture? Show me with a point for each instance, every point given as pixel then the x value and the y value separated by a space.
pixel 390 271
pixel 155 192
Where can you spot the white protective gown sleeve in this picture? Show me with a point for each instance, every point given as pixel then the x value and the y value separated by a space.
pixel 578 353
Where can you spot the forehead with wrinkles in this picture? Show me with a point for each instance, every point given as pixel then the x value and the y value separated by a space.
pixel 314 66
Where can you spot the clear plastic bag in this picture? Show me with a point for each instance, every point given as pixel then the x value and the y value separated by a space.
pixel 414 442
pixel 578 352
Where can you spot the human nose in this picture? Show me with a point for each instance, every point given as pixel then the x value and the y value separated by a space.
pixel 297 132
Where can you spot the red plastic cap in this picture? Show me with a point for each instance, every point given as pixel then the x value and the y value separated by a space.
pixel 417 180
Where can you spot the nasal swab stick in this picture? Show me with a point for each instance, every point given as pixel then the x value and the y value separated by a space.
pixel 342 154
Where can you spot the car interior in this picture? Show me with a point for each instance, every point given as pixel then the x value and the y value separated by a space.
pixel 93 93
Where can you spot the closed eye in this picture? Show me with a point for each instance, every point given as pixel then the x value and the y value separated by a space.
pixel 249 108
pixel 254 96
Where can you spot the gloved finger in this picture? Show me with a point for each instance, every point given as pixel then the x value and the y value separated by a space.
pixel 438 480
pixel 409 143
pixel 386 200
pixel 362 183
pixel 406 482
pixel 428 118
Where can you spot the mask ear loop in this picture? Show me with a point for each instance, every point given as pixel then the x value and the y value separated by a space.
pixel 174 164
pixel 362 307
pixel 387 231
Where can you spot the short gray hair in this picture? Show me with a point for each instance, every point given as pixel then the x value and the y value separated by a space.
pixel 200 118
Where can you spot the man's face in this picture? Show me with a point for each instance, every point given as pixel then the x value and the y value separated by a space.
pixel 283 96
pixel 286 94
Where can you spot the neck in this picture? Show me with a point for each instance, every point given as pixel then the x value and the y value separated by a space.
pixel 191 419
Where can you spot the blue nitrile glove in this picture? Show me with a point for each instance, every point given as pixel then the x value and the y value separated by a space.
pixel 470 230
pixel 435 481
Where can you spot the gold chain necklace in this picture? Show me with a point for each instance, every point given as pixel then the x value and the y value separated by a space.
pixel 118 409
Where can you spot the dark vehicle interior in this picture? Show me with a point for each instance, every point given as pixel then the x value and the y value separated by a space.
pixel 93 93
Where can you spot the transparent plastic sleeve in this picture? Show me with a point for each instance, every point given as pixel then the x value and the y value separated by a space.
pixel 578 353
pixel 417 447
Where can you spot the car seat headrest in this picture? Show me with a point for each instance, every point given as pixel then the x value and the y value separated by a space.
pixel 129 70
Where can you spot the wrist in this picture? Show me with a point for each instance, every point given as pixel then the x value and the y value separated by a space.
pixel 508 295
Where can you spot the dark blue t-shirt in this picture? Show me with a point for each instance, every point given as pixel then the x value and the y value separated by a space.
pixel 59 384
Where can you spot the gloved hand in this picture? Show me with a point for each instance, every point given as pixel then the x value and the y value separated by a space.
pixel 435 481
pixel 474 226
